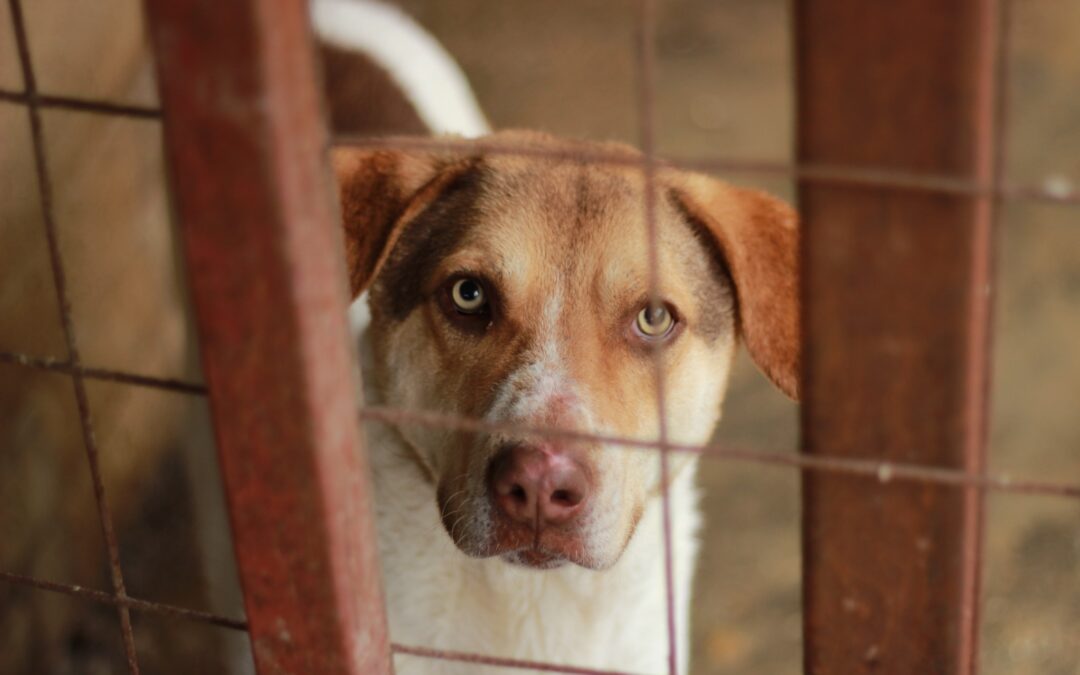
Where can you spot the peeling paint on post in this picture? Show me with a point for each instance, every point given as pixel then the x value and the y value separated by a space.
pixel 246 149
pixel 896 322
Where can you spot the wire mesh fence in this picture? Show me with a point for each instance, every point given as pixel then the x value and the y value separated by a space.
pixel 996 190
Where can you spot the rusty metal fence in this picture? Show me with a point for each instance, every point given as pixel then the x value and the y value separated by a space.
pixel 899 431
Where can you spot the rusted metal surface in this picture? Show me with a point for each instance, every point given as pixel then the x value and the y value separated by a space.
pixel 246 153
pixel 896 317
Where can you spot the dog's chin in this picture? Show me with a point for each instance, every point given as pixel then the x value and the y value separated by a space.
pixel 531 555
pixel 518 544
pixel 535 558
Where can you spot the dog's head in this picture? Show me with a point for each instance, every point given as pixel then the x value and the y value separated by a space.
pixel 516 290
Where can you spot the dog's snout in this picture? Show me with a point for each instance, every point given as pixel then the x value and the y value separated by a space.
pixel 539 485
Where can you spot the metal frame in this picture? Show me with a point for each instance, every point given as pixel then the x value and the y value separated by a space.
pixel 263 262
pixel 896 306
pixel 246 148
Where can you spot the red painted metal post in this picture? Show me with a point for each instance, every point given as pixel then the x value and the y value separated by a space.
pixel 246 148
pixel 896 318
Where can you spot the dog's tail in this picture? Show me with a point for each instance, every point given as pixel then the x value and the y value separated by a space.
pixel 385 74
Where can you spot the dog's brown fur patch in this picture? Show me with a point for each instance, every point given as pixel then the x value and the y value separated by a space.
pixel 362 98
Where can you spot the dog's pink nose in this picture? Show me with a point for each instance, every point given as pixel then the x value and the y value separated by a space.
pixel 538 485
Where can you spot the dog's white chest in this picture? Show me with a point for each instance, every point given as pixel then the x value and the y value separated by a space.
pixel 439 598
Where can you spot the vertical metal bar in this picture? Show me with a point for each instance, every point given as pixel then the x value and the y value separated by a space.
pixel 646 65
pixel 896 318
pixel 246 149
pixel 112 547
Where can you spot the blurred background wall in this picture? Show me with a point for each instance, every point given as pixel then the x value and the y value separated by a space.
pixel 723 89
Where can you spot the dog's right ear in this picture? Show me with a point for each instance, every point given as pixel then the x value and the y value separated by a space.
pixel 380 192
pixel 757 239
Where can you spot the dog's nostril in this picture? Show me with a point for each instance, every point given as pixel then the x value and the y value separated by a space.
pixel 518 494
pixel 565 498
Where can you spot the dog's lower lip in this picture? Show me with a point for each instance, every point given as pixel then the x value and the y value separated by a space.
pixel 535 557
pixel 538 555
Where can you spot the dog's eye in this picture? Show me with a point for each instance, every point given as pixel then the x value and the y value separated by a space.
pixel 655 322
pixel 468 296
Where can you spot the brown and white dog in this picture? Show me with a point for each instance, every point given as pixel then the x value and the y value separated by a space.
pixel 496 287
pixel 515 289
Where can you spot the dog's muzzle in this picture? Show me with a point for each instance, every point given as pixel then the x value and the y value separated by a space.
pixel 541 494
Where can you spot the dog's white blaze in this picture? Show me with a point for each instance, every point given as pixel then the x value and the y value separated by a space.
pixel 428 76
pixel 529 392
pixel 544 393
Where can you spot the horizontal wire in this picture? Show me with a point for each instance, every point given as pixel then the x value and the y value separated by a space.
pixel 881 470
pixel 129 602
pixel 80 105
pixel 884 472
pixel 481 659
pixel 820 173
pixel 870 177
pixel 70 368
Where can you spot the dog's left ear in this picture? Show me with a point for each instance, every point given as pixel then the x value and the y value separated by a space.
pixel 380 192
pixel 757 238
